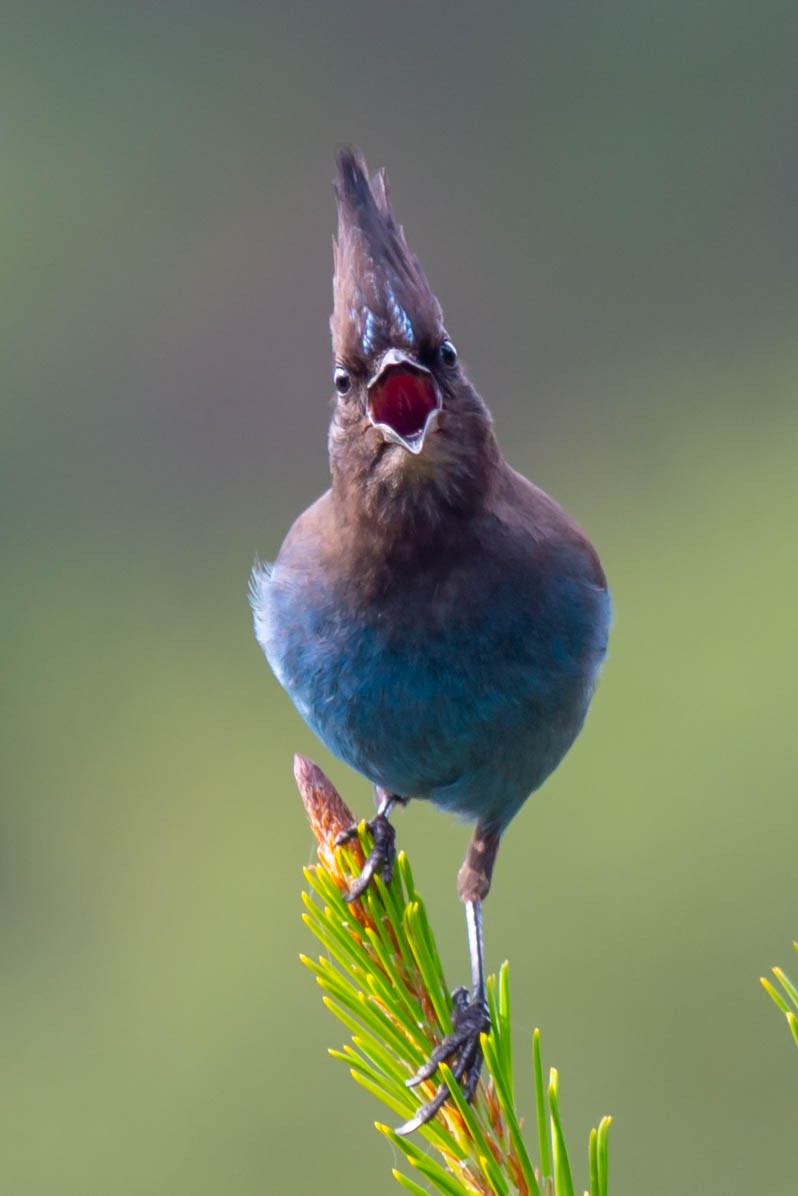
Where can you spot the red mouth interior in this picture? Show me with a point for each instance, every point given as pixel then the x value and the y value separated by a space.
pixel 402 399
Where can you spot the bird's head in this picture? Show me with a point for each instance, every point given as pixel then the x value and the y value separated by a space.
pixel 408 426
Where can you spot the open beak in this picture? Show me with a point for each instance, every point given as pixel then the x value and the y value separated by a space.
pixel 403 400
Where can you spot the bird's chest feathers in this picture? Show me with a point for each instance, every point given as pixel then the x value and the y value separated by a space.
pixel 423 675
pixel 388 688
pixel 361 661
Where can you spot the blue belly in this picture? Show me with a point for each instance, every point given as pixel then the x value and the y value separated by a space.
pixel 472 708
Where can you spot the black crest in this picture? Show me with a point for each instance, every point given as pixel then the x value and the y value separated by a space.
pixel 381 295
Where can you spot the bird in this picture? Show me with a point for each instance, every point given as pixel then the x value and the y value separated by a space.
pixel 437 619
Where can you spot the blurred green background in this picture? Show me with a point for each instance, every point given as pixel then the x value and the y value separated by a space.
pixel 604 196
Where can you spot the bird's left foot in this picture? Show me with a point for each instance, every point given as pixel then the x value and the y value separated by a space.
pixel 382 856
pixel 462 1048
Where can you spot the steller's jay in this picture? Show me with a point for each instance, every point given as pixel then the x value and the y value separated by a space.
pixel 438 620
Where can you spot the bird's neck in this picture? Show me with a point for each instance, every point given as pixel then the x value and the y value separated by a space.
pixel 399 505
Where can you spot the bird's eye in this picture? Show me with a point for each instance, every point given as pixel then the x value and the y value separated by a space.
pixel 447 353
pixel 343 382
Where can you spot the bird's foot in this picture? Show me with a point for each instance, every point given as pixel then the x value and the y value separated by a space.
pixel 382 856
pixel 462 1048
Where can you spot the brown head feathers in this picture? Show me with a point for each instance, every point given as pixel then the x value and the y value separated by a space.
pixel 382 298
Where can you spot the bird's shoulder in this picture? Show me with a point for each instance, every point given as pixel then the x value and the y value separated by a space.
pixel 311 538
pixel 299 560
pixel 522 514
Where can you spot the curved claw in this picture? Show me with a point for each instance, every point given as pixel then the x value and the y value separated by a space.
pixel 425 1113
pixel 443 1051
pixel 470 1020
pixel 359 886
pixel 380 858
pixel 344 837
pixel 469 1060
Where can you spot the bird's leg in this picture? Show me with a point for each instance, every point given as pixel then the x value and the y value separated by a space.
pixel 383 852
pixel 470 1018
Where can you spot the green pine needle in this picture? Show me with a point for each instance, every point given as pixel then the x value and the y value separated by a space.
pixel 382 978
pixel 787 999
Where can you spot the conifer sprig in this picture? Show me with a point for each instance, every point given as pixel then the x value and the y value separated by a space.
pixel 381 976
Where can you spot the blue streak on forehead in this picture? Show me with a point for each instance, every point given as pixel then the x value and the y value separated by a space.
pixel 367 341
pixel 400 316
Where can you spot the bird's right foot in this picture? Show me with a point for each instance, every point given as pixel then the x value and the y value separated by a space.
pixel 382 857
pixel 462 1049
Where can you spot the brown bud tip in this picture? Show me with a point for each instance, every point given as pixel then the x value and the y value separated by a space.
pixel 327 811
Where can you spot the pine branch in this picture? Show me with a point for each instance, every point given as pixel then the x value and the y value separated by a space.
pixel 381 976
pixel 787 999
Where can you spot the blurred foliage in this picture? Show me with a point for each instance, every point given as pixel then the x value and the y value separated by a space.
pixel 604 198
pixel 785 996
